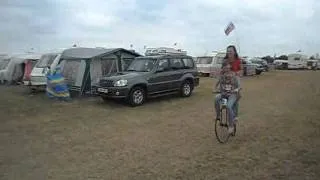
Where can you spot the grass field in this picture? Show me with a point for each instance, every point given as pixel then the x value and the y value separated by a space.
pixel 278 135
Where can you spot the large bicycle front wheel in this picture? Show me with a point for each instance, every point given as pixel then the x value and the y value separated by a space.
pixel 221 126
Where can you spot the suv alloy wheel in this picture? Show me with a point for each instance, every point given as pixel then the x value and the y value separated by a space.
pixel 186 89
pixel 137 96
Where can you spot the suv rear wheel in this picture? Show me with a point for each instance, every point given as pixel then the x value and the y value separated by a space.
pixel 186 88
pixel 105 99
pixel 137 96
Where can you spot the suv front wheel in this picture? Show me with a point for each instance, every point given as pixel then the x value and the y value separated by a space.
pixel 186 88
pixel 137 96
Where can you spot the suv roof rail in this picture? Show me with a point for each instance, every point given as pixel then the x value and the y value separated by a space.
pixel 164 51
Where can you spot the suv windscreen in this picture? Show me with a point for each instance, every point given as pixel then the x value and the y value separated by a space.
pixel 142 65
pixel 46 60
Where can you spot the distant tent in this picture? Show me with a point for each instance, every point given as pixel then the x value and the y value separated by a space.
pixel 14 69
pixel 82 67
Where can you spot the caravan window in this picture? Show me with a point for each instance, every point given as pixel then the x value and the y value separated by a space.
pixel 108 66
pixel 204 60
pixel 4 63
pixel 297 59
pixel 46 60
pixel 219 59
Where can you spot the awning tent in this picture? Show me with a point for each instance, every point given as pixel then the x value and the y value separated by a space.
pixel 82 67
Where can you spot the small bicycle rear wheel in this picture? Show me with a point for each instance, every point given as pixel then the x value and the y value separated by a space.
pixel 221 126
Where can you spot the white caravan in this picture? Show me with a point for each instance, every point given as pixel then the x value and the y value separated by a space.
pixel 210 65
pixel 297 61
pixel 38 74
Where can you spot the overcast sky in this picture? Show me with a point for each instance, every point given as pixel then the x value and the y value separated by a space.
pixel 262 26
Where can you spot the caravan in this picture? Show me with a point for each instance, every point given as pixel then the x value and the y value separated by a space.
pixel 297 61
pixel 38 74
pixel 210 65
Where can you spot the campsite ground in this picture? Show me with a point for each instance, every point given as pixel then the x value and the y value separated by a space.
pixel 167 138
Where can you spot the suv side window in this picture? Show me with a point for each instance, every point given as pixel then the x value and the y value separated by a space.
pixel 176 63
pixel 188 63
pixel 164 63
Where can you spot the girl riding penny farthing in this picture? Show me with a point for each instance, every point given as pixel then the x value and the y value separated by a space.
pixel 226 101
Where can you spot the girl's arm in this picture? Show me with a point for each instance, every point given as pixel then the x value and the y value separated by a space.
pixel 217 84
pixel 237 84
pixel 239 68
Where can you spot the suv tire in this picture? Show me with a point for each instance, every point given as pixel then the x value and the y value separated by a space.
pixel 258 72
pixel 137 96
pixel 105 99
pixel 186 88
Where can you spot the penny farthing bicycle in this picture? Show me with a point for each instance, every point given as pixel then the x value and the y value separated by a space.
pixel 221 125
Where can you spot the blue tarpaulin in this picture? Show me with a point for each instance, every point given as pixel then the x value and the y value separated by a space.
pixel 56 86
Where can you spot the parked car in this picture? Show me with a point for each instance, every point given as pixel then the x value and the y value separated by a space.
pixel 312 64
pixel 151 76
pixel 261 63
pixel 280 64
pixel 249 69
pixel 258 67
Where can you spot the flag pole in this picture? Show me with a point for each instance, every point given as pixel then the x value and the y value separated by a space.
pixel 231 27
pixel 237 40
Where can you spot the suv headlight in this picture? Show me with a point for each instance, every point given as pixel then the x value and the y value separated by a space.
pixel 121 82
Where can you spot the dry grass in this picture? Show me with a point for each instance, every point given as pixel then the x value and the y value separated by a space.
pixel 168 138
